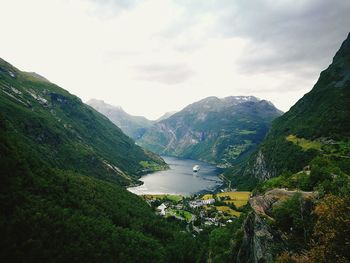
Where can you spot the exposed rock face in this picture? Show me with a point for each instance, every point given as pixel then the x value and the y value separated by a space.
pixel 259 168
pixel 259 238
pixel 257 242
pixel 262 204
pixel 217 130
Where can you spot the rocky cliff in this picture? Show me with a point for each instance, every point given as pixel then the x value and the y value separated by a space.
pixel 261 240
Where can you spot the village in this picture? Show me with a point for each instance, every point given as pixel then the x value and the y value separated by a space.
pixel 198 212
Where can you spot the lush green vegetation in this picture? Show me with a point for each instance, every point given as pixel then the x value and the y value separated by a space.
pixel 181 214
pixel 63 216
pixel 175 198
pixel 303 143
pixel 316 226
pixel 224 242
pixel 307 149
pixel 318 124
pixel 65 132
pixel 61 166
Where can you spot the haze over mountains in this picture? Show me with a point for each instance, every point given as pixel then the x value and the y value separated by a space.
pixel 134 126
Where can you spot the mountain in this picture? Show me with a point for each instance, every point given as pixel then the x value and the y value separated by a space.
pixel 65 132
pixel 165 116
pixel 300 207
pixel 134 126
pixel 318 124
pixel 217 130
pixel 62 165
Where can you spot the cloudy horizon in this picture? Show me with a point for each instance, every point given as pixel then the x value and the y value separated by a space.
pixel 156 56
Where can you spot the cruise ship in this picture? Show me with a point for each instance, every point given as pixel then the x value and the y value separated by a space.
pixel 196 168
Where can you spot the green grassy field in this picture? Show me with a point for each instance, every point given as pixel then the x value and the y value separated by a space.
pixel 303 143
pixel 237 198
pixel 228 210
pixel 175 198
pixel 182 213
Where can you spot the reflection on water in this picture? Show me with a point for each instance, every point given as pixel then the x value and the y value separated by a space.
pixel 180 179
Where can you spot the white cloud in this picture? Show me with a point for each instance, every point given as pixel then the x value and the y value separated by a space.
pixel 155 56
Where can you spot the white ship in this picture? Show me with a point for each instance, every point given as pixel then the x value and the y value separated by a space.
pixel 196 168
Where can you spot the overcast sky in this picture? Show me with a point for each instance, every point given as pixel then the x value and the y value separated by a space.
pixel 155 56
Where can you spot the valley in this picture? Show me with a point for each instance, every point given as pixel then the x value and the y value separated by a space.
pixel 229 179
pixel 296 173
pixel 220 131
pixel 198 212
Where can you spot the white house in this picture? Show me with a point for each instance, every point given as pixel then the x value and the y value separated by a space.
pixel 208 201
pixel 161 209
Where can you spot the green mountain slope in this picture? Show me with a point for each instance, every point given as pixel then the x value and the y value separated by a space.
pixel 59 200
pixel 300 208
pixel 65 132
pixel 50 215
pixel 318 124
pixel 216 130
pixel 134 126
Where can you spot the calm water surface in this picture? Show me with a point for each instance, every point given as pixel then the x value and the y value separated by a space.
pixel 180 179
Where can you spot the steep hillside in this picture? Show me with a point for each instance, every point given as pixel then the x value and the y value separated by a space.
pixel 318 124
pixel 66 133
pixel 60 165
pixel 301 203
pixel 134 126
pixel 217 130
pixel 301 217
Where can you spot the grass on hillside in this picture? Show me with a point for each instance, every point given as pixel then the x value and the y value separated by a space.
pixel 228 210
pixel 181 213
pixel 237 203
pixel 304 143
pixel 246 132
pixel 152 166
pixel 239 199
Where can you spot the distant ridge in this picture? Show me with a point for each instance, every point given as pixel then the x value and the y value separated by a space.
pixel 133 126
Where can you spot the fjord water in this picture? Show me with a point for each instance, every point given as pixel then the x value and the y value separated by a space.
pixel 180 179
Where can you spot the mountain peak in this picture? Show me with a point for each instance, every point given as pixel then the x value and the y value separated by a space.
pixel 133 126
pixel 96 103
pixel 239 99
pixel 215 104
